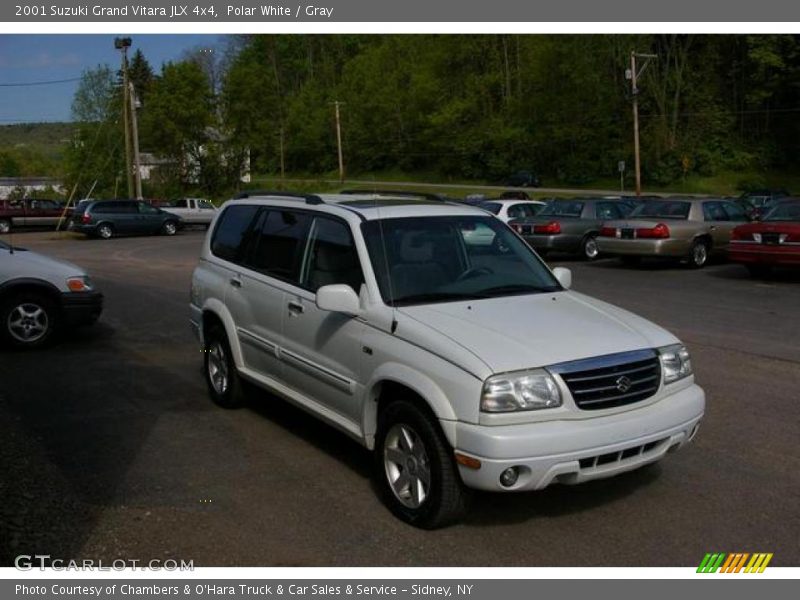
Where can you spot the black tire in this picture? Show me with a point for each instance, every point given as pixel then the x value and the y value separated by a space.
pixel 698 254
pixel 5 225
pixel 589 249
pixel 28 320
pixel 446 499
pixel 631 261
pixel 169 228
pixel 231 394
pixel 104 231
pixel 759 271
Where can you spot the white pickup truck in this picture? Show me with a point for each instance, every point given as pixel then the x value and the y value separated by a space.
pixel 193 211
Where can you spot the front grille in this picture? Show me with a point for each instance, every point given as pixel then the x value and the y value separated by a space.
pixel 612 380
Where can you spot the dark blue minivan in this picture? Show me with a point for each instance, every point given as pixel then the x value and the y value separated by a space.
pixel 108 218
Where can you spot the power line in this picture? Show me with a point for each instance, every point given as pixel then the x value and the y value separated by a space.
pixel 32 83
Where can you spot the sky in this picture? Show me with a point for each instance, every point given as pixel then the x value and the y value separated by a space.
pixel 32 58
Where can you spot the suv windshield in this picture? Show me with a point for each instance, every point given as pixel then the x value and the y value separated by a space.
pixel 663 209
pixel 422 260
pixel 786 211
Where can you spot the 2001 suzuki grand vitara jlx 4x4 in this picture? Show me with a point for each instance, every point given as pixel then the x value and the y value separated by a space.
pixel 435 336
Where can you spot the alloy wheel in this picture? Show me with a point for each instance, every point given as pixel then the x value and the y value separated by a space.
pixel 218 368
pixel 28 323
pixel 407 466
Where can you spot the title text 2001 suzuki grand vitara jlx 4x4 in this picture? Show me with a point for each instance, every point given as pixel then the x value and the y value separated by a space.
pixel 434 335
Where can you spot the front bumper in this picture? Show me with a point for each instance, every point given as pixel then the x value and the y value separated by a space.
pixel 81 308
pixel 673 248
pixel 574 451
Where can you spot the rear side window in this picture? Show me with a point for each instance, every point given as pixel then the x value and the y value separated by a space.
pixel 278 244
pixel 230 234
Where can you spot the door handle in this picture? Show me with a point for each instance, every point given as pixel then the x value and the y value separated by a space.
pixel 295 307
pixel 237 283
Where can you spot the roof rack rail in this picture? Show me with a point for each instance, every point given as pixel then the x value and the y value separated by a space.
pixel 404 193
pixel 309 198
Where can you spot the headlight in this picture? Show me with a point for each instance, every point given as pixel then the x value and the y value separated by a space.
pixel 523 390
pixel 79 284
pixel 675 362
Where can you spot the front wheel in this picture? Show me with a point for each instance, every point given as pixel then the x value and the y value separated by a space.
pixel 415 469
pixel 169 228
pixel 28 320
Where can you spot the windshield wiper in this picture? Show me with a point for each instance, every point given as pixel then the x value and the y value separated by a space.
pixel 435 297
pixel 517 288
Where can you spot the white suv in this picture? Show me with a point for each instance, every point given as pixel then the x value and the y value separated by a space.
pixel 462 365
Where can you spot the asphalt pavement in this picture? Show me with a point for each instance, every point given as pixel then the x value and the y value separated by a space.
pixel 111 448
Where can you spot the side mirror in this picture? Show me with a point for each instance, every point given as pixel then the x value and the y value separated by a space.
pixel 564 277
pixel 338 298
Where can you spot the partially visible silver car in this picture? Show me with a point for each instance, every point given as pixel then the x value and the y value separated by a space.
pixel 690 229
pixel 570 225
pixel 38 294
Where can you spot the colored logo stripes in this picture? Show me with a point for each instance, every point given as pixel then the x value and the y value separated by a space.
pixel 734 562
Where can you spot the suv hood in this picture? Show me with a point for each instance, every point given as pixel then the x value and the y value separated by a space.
pixel 520 332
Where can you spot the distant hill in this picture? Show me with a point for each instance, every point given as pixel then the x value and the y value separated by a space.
pixel 47 139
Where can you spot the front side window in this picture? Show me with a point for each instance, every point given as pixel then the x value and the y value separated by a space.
pixel 332 256
pixel 205 205
pixel 231 232
pixel 147 209
pixel 562 208
pixel 421 260
pixel 713 211
pixel 278 244
pixel 662 209
pixel 607 211
pixel 734 212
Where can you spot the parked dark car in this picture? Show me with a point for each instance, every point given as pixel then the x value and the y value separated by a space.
pixel 758 202
pixel 108 218
pixel 523 179
pixel 570 225
pixel 772 242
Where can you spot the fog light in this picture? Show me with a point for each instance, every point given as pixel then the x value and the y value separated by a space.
pixel 509 477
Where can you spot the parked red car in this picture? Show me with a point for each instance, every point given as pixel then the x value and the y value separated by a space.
pixel 773 241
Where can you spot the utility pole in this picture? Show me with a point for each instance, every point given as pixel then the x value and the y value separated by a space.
pixel 283 164
pixel 122 44
pixel 137 172
pixel 339 140
pixel 634 76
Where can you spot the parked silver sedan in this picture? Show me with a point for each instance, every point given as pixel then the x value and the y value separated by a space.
pixel 570 225
pixel 690 229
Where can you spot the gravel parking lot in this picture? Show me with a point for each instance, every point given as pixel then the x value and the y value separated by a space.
pixel 112 449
